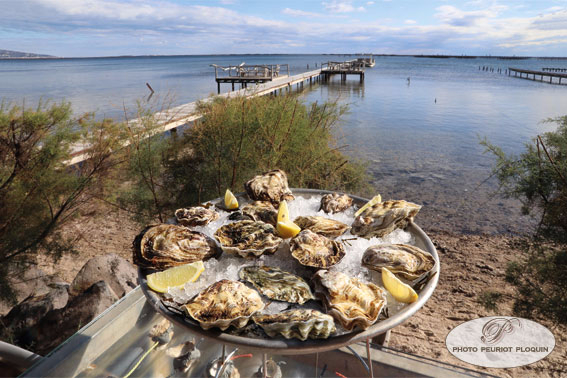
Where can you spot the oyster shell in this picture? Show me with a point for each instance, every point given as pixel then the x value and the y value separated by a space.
pixel 248 238
pixel 261 211
pixel 323 226
pixel 408 261
pixel 300 323
pixel 271 186
pixel 223 304
pixel 315 250
pixel 335 202
pixel 384 217
pixel 166 245
pixel 349 300
pixel 195 216
pixel 277 284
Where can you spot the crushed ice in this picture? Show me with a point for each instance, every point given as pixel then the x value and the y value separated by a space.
pixel 227 266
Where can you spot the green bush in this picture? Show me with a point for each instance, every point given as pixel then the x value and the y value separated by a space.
pixel 538 178
pixel 39 191
pixel 239 138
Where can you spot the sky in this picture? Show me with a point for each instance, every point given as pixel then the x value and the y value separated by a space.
pixel 79 28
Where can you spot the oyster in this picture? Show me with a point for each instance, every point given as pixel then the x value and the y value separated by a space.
pixel 248 238
pixel 277 284
pixel 261 211
pixel 323 226
pixel 335 202
pixel 349 300
pixel 315 250
pixel 271 186
pixel 405 260
pixel 195 216
pixel 223 304
pixel 384 217
pixel 167 245
pixel 300 323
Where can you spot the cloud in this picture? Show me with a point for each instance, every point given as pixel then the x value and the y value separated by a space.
pixel 341 6
pixel 453 16
pixel 300 13
pixel 410 22
pixel 370 3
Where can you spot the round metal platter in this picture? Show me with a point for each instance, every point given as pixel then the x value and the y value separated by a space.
pixel 281 345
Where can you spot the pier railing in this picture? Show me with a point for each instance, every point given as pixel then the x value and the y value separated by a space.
pixel 256 71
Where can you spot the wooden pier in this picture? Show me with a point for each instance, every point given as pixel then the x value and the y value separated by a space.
pixel 554 69
pixel 537 75
pixel 350 67
pixel 249 74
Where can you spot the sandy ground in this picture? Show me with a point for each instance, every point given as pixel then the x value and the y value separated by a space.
pixel 470 264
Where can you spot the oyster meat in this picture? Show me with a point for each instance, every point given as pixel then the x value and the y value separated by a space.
pixel 384 217
pixel 195 216
pixel 277 284
pixel 323 226
pixel 300 323
pixel 349 300
pixel 271 186
pixel 223 304
pixel 248 238
pixel 315 250
pixel 167 245
pixel 261 211
pixel 408 261
pixel 335 202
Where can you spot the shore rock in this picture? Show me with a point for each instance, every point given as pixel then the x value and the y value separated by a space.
pixel 58 325
pixel 120 275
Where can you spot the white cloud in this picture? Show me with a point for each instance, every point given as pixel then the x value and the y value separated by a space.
pixel 300 13
pixel 341 6
pixel 370 3
pixel 410 22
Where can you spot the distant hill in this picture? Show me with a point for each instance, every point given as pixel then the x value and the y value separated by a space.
pixel 5 54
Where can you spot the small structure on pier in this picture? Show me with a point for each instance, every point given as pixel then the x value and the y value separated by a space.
pixel 244 74
pixel 531 75
pixel 367 61
pixel 349 67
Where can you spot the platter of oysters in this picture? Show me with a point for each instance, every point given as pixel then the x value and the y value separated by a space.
pixel 291 270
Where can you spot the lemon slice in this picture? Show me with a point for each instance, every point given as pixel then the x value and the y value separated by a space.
pixel 399 290
pixel 176 276
pixel 283 212
pixel 230 201
pixel 287 229
pixel 372 202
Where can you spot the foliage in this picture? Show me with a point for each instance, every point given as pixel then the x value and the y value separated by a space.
pixel 239 138
pixel 39 191
pixel 489 299
pixel 538 178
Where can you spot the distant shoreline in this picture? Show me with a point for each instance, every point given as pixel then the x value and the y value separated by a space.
pixel 499 57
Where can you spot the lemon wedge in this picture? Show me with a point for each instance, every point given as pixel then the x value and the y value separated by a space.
pixel 400 291
pixel 230 201
pixel 283 212
pixel 372 202
pixel 176 276
pixel 287 229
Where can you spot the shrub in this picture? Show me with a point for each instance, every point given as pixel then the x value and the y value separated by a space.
pixel 39 191
pixel 538 178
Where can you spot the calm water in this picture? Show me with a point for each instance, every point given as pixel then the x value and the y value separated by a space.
pixel 420 135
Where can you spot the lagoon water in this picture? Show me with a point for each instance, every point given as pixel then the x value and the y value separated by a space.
pixel 420 136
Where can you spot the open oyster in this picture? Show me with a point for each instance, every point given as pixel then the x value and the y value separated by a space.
pixel 271 186
pixel 315 250
pixel 408 261
pixel 223 304
pixel 323 226
pixel 300 323
pixel 248 238
pixel 384 217
pixel 277 284
pixel 167 245
pixel 335 202
pixel 349 300
pixel 195 216
pixel 261 211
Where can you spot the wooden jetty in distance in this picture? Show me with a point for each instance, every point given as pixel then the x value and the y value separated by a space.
pixel 350 67
pixel 554 69
pixel 245 74
pixel 525 74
